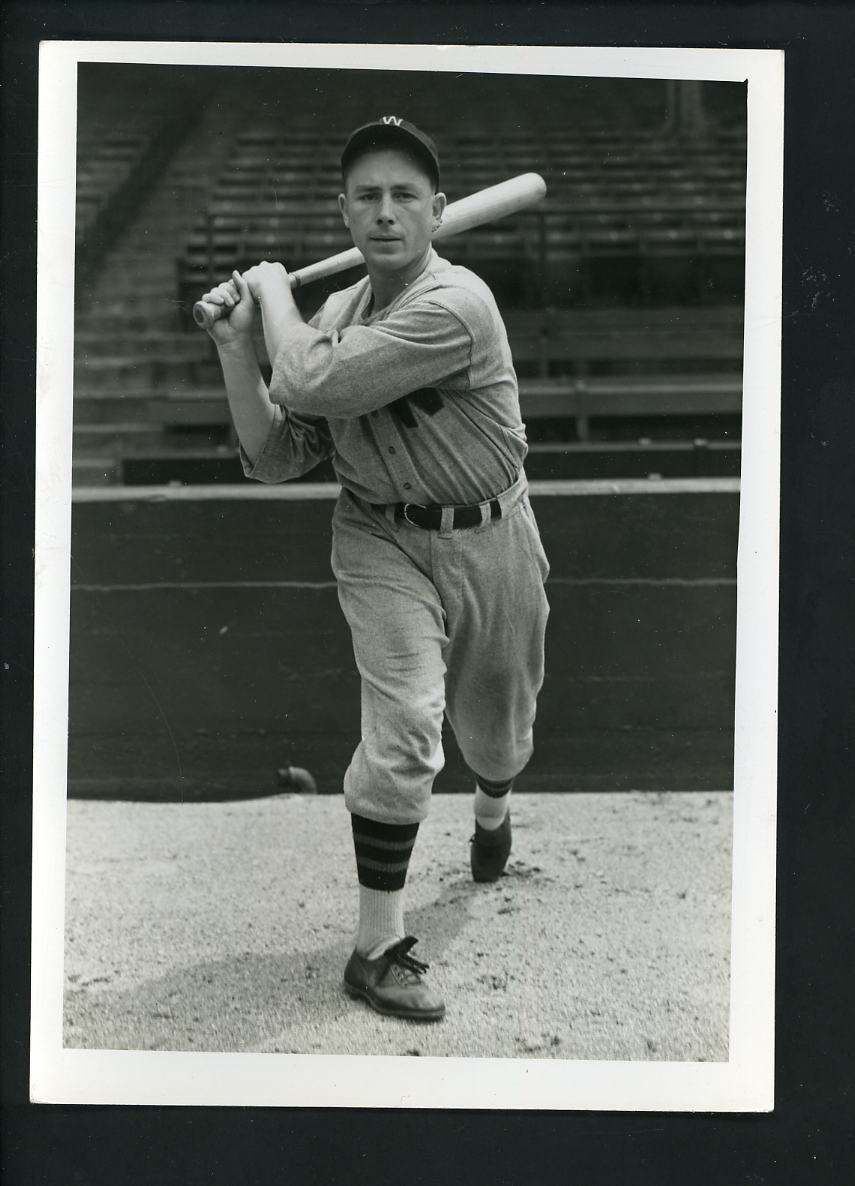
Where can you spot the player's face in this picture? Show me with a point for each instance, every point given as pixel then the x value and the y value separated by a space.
pixel 391 211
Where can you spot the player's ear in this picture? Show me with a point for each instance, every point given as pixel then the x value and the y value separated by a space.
pixel 342 205
pixel 439 204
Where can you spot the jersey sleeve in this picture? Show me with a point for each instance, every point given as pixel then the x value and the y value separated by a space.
pixel 347 373
pixel 294 445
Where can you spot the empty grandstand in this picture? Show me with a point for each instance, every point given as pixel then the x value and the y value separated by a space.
pixel 622 292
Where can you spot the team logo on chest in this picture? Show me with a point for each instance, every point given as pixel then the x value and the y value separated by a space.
pixel 395 120
pixel 427 399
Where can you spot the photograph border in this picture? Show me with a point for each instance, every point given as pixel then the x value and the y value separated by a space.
pixel 745 1082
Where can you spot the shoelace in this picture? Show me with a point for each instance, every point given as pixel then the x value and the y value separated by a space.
pixel 399 955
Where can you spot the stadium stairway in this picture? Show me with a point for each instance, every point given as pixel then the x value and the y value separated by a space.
pixel 147 386
pixel 131 343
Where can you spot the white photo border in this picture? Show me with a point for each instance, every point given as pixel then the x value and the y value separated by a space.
pixel 743 1084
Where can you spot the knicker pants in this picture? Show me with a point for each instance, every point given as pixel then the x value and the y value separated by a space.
pixel 442 622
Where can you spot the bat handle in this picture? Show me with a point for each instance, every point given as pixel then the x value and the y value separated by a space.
pixel 205 314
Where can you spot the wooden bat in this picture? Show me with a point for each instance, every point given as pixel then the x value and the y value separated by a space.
pixel 496 201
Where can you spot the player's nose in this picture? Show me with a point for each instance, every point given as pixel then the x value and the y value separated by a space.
pixel 385 212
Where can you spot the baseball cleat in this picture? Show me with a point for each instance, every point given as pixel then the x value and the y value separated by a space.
pixel 489 850
pixel 392 984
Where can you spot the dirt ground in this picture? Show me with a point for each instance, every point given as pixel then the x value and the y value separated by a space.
pixel 226 927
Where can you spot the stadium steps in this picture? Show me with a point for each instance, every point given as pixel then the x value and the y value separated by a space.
pixel 110 443
pixel 95 471
pixel 138 272
pixel 565 461
pixel 131 129
pixel 129 339
pixel 640 458
pixel 133 350
pixel 144 373
pixel 177 406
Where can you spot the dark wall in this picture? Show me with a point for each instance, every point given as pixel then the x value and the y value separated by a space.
pixel 208 649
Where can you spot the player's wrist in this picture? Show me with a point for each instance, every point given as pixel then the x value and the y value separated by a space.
pixel 239 346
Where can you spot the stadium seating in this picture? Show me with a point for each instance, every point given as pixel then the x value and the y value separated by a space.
pixel 128 126
pixel 584 376
pixel 621 215
pixel 643 223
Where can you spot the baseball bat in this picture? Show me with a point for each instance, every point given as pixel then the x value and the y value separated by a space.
pixel 496 201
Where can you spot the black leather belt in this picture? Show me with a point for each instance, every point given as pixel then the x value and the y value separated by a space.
pixel 430 518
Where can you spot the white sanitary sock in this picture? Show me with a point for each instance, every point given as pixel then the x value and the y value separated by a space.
pixel 381 921
pixel 492 801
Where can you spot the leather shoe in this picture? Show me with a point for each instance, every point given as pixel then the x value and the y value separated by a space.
pixel 392 984
pixel 490 850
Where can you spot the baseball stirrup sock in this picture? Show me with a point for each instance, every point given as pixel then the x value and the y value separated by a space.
pixel 492 800
pixel 382 858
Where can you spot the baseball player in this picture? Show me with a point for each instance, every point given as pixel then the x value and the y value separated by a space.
pixel 406 381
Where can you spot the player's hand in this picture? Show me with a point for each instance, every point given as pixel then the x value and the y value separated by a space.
pixel 235 298
pixel 268 281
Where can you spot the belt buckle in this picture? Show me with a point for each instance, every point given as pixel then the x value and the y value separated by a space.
pixel 405 510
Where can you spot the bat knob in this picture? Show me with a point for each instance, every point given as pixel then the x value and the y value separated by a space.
pixel 204 315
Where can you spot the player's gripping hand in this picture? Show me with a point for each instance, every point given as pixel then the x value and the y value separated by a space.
pixel 270 285
pixel 235 297
pixel 268 282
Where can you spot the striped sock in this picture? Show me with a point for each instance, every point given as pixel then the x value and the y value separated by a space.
pixel 492 800
pixel 382 858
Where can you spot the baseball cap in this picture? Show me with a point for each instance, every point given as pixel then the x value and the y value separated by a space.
pixel 393 131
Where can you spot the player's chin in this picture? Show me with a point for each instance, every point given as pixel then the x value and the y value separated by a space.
pixel 394 257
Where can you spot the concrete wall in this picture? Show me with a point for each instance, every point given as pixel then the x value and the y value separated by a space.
pixel 208 649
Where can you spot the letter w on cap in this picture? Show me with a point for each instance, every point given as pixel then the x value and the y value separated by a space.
pixel 392 119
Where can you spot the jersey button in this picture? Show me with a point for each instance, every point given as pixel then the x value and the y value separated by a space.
pixel 392 449
pixel 408 485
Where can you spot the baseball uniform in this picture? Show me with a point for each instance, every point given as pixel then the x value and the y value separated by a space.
pixel 417 403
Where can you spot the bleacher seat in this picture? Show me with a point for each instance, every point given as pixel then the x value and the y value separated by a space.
pixel 637 215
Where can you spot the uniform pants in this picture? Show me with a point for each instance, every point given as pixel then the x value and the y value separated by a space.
pixel 443 622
